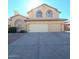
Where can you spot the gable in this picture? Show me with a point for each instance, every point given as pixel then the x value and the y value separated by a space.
pixel 44 5
pixel 44 8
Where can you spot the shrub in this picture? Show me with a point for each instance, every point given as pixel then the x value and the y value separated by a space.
pixel 12 30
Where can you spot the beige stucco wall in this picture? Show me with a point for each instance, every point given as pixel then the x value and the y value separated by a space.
pixel 46 22
pixel 44 9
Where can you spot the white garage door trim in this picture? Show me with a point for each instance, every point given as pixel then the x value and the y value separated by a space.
pixel 38 28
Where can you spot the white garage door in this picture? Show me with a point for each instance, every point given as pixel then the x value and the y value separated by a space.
pixel 55 28
pixel 38 28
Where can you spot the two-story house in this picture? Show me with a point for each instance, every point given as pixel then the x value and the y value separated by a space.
pixel 43 18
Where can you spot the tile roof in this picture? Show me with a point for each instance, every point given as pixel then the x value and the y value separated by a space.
pixel 18 15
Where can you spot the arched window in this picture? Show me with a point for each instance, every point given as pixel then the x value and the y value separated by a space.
pixel 19 24
pixel 38 13
pixel 49 13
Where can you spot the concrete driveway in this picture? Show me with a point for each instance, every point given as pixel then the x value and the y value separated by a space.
pixel 53 45
pixel 14 36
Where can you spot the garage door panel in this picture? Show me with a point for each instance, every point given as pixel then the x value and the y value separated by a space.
pixel 55 27
pixel 38 28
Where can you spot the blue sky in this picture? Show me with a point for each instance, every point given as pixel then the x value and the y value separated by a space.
pixel 23 6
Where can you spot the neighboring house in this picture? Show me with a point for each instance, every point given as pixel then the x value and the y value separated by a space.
pixel 43 18
pixel 67 26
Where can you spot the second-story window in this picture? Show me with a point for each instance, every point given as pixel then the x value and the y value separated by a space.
pixel 49 13
pixel 38 13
